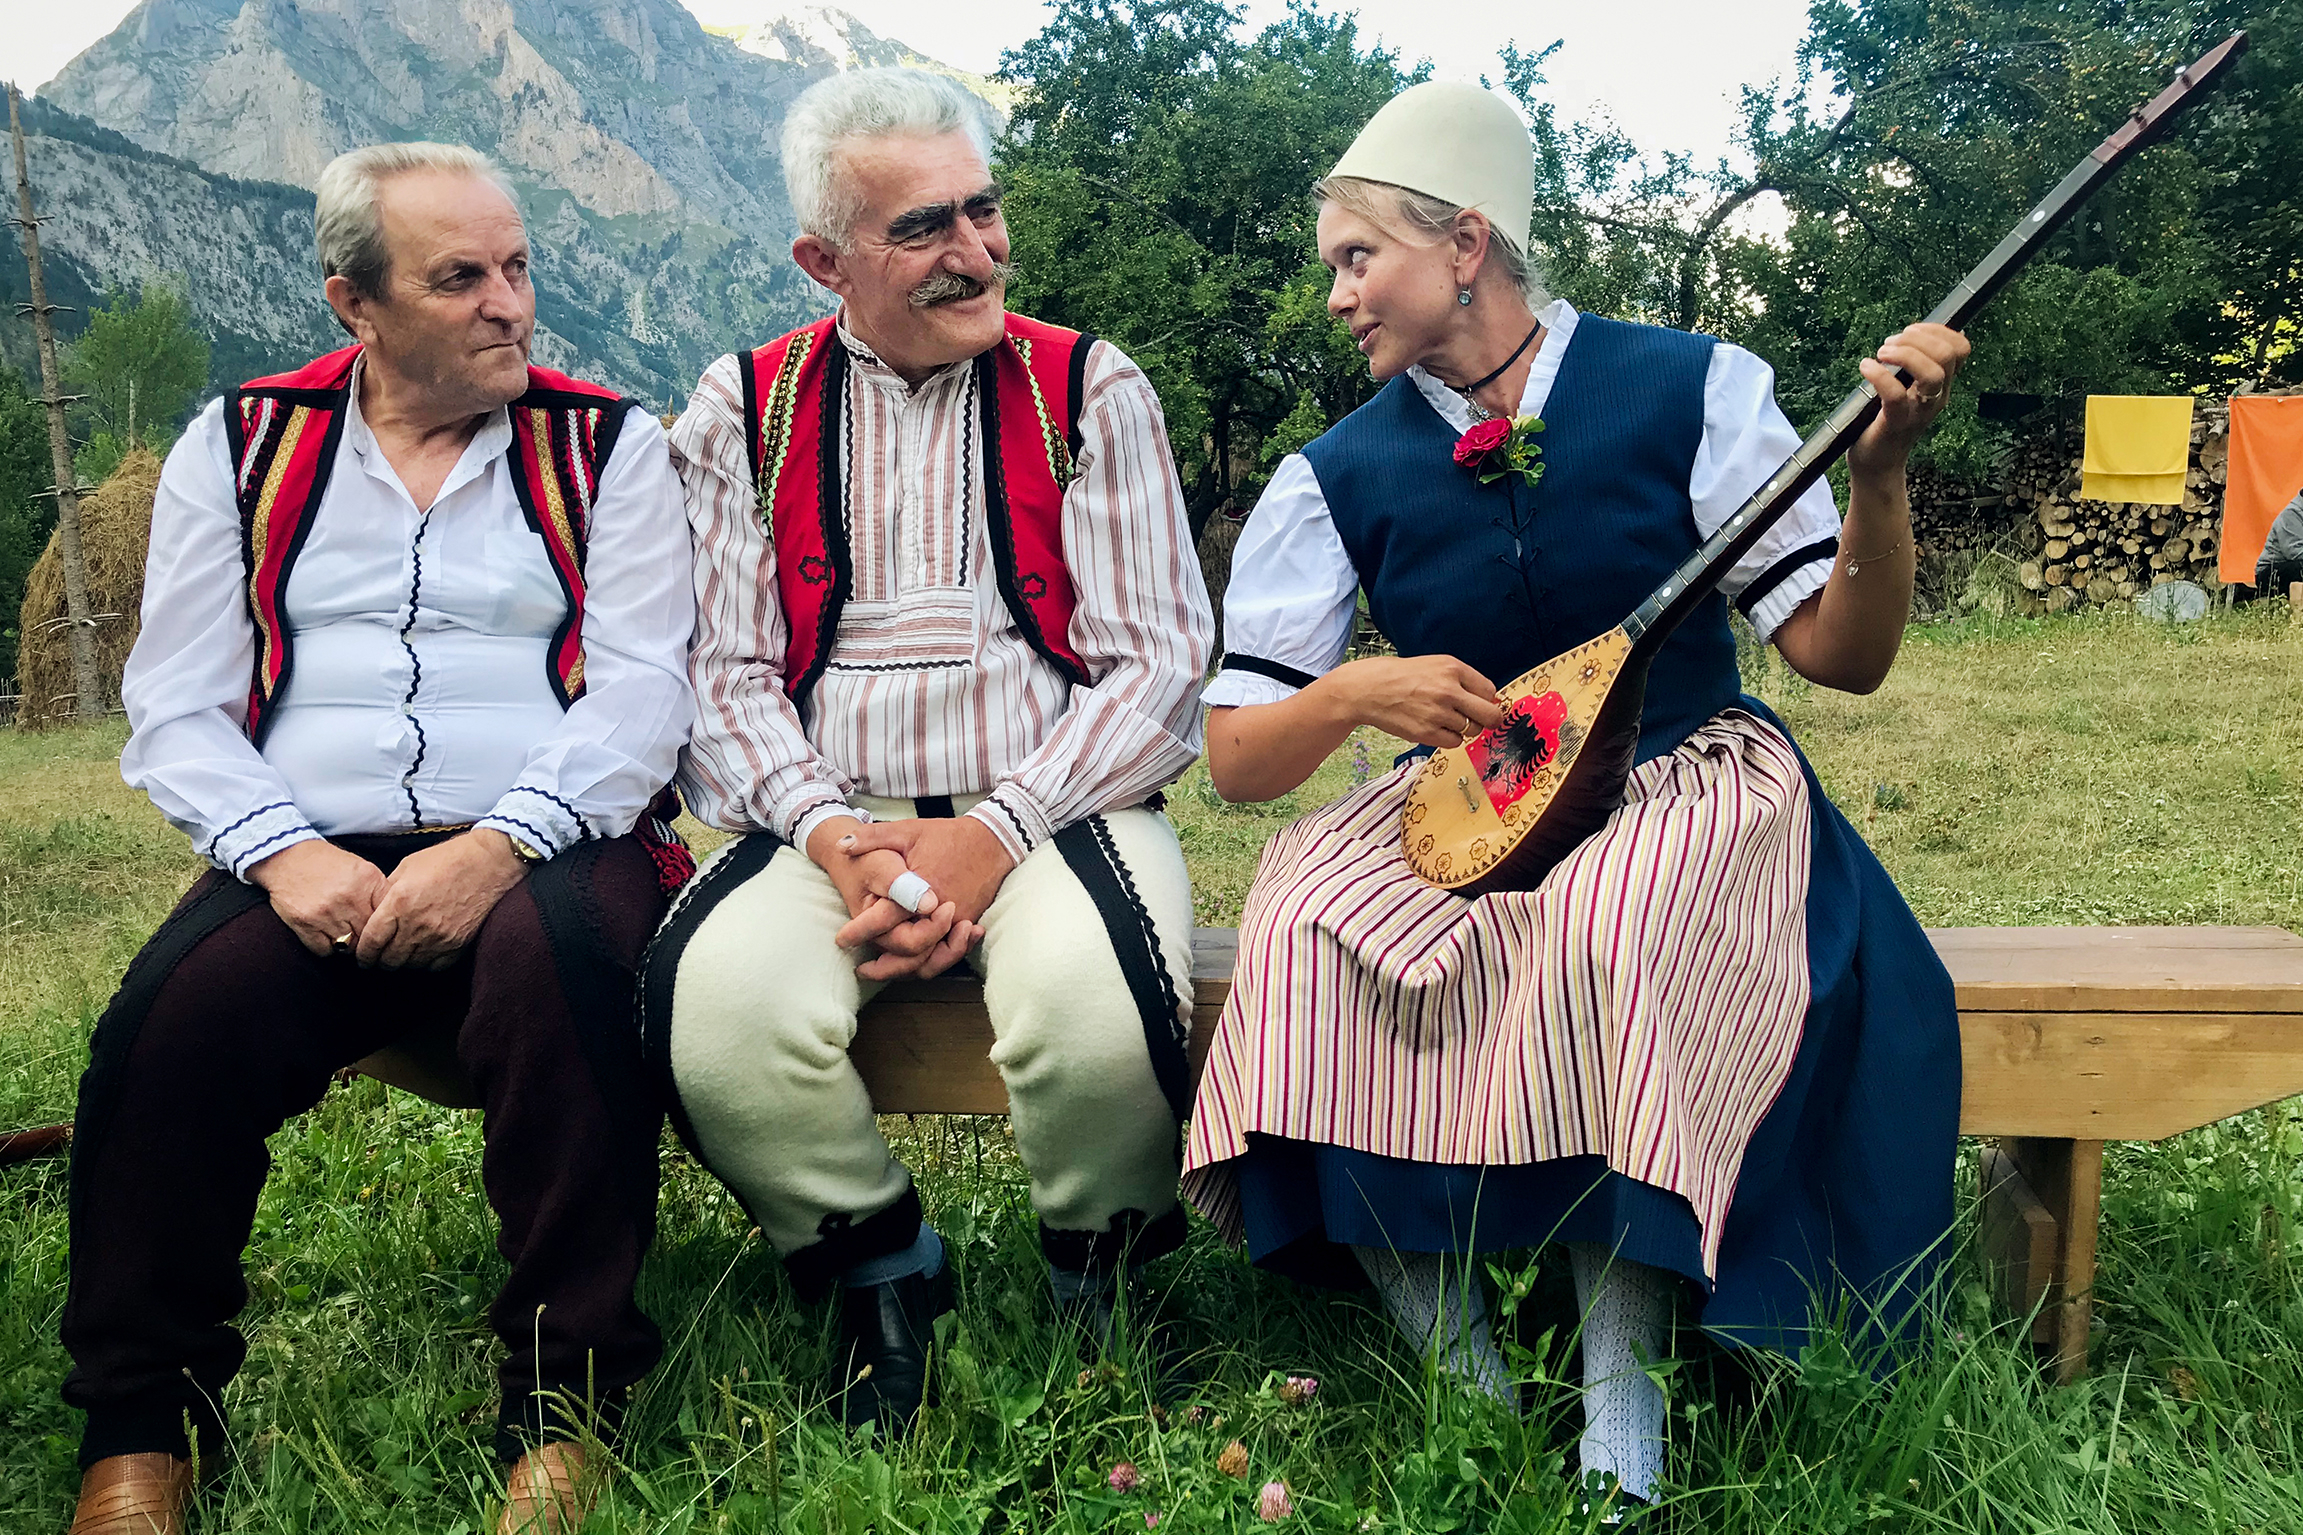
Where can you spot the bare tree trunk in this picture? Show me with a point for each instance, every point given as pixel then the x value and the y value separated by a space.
pixel 80 625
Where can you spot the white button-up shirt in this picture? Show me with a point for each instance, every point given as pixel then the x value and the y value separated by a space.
pixel 1294 590
pixel 419 694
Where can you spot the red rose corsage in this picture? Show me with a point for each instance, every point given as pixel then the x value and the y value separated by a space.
pixel 1496 447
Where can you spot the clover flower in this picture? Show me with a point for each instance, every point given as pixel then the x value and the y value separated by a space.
pixel 1272 1505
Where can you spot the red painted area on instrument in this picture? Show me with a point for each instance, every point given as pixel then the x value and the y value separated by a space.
pixel 1507 755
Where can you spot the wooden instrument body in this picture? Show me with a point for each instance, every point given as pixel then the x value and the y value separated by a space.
pixel 1500 811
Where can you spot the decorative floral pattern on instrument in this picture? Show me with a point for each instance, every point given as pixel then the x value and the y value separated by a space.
pixel 1534 734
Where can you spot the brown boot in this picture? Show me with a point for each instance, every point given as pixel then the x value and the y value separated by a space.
pixel 134 1495
pixel 548 1492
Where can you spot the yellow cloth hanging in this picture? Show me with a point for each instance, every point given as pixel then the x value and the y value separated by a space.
pixel 2138 446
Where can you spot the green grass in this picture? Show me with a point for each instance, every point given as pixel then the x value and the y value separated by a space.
pixel 2070 770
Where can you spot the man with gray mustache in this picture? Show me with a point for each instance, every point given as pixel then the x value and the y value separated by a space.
pixel 951 635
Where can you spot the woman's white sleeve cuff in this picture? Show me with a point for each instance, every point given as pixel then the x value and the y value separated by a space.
pixel 1784 595
pixel 1233 688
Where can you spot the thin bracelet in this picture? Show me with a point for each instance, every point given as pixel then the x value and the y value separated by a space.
pixel 1853 565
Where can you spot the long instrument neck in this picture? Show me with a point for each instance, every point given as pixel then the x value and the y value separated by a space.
pixel 1703 570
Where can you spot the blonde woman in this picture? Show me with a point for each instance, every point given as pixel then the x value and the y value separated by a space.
pixel 1712 1052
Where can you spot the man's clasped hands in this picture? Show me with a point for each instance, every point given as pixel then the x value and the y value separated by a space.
pixel 962 862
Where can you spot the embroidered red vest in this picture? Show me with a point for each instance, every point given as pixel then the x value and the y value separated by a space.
pixel 284 432
pixel 1028 391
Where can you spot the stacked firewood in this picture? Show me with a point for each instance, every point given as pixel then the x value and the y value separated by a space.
pixel 2073 553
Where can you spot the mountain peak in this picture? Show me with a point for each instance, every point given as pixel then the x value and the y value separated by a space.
pixel 817 36
pixel 826 37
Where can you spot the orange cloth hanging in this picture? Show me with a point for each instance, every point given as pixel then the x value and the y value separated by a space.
pixel 2138 447
pixel 2265 473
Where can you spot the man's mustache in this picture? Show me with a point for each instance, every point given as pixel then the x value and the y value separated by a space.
pixel 954 287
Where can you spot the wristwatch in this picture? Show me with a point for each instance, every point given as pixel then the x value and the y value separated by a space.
pixel 523 851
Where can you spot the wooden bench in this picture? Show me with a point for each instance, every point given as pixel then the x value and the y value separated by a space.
pixel 2072 1036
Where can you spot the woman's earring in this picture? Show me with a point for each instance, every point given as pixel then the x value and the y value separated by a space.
pixel 1463 297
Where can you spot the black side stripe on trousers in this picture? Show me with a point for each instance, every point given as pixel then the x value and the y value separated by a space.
pixel 660 965
pixel 594 984
pixel 188 926
pixel 1088 848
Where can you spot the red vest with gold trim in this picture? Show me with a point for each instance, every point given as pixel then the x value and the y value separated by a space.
pixel 284 433
pixel 1028 392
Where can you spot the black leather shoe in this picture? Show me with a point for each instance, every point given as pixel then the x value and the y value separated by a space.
pixel 880 1359
pixel 1157 1343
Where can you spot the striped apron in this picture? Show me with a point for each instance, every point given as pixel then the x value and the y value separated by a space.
pixel 1643 1004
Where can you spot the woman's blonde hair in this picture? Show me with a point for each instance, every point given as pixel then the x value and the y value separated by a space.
pixel 1395 207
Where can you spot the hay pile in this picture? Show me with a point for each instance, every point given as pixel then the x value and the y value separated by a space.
pixel 115 530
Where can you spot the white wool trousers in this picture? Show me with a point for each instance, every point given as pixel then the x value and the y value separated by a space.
pixel 1086 963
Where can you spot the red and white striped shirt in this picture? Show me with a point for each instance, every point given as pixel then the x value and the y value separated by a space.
pixel 930 688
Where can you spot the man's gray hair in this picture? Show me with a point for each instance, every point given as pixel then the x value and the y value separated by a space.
pixel 865 104
pixel 348 221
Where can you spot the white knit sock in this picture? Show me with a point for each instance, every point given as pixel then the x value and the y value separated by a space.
pixel 1433 1297
pixel 1624 1304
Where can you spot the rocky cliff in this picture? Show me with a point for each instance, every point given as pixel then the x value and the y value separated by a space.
pixel 114 215
pixel 644 149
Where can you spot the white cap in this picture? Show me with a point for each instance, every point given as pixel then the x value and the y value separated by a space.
pixel 1458 143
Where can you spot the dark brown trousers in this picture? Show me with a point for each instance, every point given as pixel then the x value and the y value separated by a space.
pixel 226 1027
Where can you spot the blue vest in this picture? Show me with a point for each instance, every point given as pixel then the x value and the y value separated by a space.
pixel 1502 576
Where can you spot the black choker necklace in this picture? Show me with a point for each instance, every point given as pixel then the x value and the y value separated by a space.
pixel 1468 390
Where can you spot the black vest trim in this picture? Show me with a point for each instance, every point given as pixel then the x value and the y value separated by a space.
pixel 832 500
pixel 1079 393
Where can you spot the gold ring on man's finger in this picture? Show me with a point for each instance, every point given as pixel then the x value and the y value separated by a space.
pixel 342 942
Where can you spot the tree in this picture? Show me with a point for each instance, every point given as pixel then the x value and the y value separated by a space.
pixel 140 365
pixel 1959 114
pixel 1158 169
pixel 26 517
pixel 90 703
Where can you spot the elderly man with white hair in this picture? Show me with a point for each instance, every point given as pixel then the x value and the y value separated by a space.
pixel 412 676
pixel 950 635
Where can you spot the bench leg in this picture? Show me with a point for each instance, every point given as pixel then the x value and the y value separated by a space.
pixel 2067 1178
pixel 2083 1219
pixel 2021 1244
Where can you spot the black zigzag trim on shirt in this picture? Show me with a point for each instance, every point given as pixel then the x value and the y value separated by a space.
pixel 583 827
pixel 415 670
pixel 1023 833
pixel 249 859
pixel 217 841
pixel 893 666
pixel 1783 570
pixel 536 839
pixel 1234 662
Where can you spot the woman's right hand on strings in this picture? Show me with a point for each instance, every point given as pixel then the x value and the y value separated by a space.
pixel 1431 700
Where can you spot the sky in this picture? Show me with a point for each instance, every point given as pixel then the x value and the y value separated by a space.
pixel 1666 71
